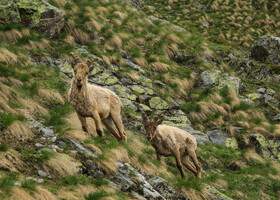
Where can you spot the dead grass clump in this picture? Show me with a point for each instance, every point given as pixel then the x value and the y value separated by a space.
pixel 50 95
pixel 120 15
pixel 183 84
pixel 158 66
pixel 94 24
pixel 80 36
pixel 171 50
pixel 252 156
pixel 141 62
pixel 43 194
pixel 8 57
pixel 10 36
pixel 69 39
pixel 18 193
pixel 42 44
pixel 20 131
pixel 106 60
pixel 11 160
pixel 116 41
pixel 62 165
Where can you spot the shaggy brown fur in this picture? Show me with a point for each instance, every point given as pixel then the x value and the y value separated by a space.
pixel 92 101
pixel 172 141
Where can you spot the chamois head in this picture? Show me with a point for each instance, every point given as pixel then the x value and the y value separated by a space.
pixel 151 124
pixel 81 70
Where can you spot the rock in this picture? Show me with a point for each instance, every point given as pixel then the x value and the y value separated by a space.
pixel 53 139
pixel 38 145
pixel 218 137
pixel 269 148
pixel 61 144
pixel 167 22
pixel 151 194
pixel 128 103
pixel 135 195
pixel 17 184
pixel 144 107
pixel 124 92
pixel 220 81
pixel 246 100
pixel 181 57
pixel 47 132
pixel 106 78
pixel 42 173
pixel 217 194
pixel 98 174
pixel 267 49
pixel 79 147
pixel 199 6
pixel 37 14
pixel 38 180
pixel 205 24
pixel 262 72
pixel 158 103
pixel 200 137
pixel 261 90
pixel 165 189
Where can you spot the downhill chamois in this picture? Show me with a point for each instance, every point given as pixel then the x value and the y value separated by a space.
pixel 93 101
pixel 172 141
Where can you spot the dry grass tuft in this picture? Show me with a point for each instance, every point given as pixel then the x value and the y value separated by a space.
pixel 62 165
pixel 8 57
pixel 158 66
pixel 50 95
pixel 20 131
pixel 141 62
pixel 10 36
pixel 18 193
pixel 11 160
pixel 106 60
pixel 94 24
pixel 116 41
pixel 44 194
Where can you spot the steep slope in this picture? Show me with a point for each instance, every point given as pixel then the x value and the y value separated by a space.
pixel 149 63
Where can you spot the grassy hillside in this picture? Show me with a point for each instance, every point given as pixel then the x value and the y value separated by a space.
pixel 33 89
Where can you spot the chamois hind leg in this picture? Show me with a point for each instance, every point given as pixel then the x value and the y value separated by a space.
pixel 179 165
pixel 84 122
pixel 98 125
pixel 193 156
pixel 108 122
pixel 116 116
pixel 187 163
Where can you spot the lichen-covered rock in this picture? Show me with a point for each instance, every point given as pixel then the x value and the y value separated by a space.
pixel 158 104
pixel 124 92
pixel 263 72
pixel 105 78
pixel 217 194
pixel 37 14
pixel 267 49
pixel 220 81
pixel 218 137
pixel 269 148
pixel 165 189
pixel 144 107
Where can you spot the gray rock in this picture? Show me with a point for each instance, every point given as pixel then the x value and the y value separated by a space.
pixel 267 49
pixel 37 14
pixel 123 181
pixel 209 78
pixel 80 147
pixel 205 24
pixel 17 184
pixel 53 139
pixel 261 90
pixel 165 189
pixel 199 6
pixel 151 194
pixel 217 194
pixel 47 132
pixel 38 145
pixel 135 195
pixel 61 144
pixel 217 137
pixel 38 180
pixel 98 174
pixel 200 137
pixel 42 173
pixel 262 72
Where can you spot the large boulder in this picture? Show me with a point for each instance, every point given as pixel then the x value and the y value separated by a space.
pixel 37 14
pixel 267 49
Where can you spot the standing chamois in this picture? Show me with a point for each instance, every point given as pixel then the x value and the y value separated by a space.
pixel 93 101
pixel 172 141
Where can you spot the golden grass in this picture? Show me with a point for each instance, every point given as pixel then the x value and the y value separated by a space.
pixel 252 156
pixel 94 24
pixel 11 160
pixel 8 57
pixel 19 131
pixel 158 66
pixel 141 62
pixel 18 193
pixel 44 194
pixel 106 60
pixel 61 165
pixel 10 36
pixel 116 41
pixel 50 95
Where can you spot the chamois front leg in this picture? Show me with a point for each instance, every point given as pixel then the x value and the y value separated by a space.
pixel 98 125
pixel 84 122
pixel 179 164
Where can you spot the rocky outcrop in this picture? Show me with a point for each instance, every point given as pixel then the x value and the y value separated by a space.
pixel 220 81
pixel 219 137
pixel 37 14
pixel 267 49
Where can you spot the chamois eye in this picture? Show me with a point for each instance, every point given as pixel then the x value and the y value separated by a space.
pixel 75 71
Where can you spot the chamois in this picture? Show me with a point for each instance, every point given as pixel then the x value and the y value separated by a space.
pixel 93 101
pixel 172 141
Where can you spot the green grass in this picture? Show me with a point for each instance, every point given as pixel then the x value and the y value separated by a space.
pixel 57 115
pixel 3 147
pixel 96 195
pixel 75 180
pixel 190 182
pixel 29 185
pixel 7 119
pixel 34 157
pixel 7 183
pixel 99 182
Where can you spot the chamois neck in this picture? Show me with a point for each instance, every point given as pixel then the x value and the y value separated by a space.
pixel 76 90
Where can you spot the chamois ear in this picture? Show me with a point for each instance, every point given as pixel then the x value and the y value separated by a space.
pixel 144 116
pixel 75 58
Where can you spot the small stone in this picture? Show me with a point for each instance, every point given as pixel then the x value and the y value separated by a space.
pixel 261 90
pixel 53 139
pixel 46 132
pixel 17 184
pixel 98 174
pixel 38 145
pixel 42 173
pixel 61 144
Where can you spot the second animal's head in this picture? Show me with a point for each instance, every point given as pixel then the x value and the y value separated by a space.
pixel 151 124
pixel 81 71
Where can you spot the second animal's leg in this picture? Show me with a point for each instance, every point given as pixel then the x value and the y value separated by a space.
pixel 111 127
pixel 179 165
pixel 98 125
pixel 186 162
pixel 84 122
pixel 158 157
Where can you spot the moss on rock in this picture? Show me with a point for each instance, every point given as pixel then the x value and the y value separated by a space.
pixel 158 103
